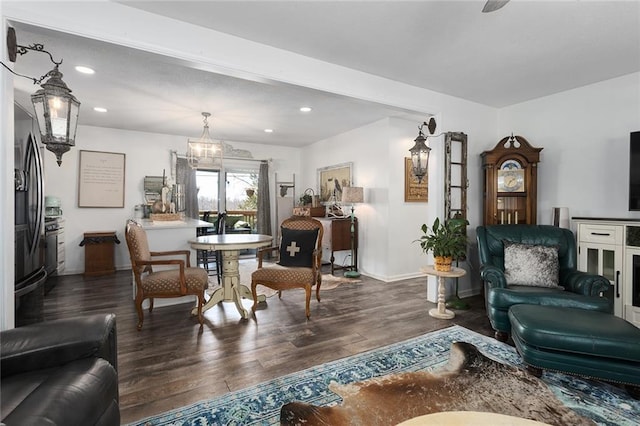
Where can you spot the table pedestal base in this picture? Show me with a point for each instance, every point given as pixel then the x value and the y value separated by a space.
pixel 231 290
pixel 447 314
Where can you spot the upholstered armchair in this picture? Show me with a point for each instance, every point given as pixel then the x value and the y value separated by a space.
pixel 535 265
pixel 180 280
pixel 299 260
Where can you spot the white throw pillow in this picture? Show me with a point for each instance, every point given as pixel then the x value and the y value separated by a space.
pixel 528 264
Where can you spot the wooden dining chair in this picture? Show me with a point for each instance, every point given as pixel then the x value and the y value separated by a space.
pixel 211 260
pixel 180 280
pixel 299 260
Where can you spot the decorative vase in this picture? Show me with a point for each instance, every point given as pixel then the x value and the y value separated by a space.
pixel 442 263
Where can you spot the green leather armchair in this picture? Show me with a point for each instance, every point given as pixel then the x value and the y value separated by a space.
pixel 579 289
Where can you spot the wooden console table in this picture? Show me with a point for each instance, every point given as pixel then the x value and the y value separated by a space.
pixel 337 237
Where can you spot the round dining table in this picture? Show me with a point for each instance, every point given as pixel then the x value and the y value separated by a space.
pixel 230 245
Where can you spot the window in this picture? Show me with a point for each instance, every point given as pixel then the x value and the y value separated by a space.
pixel 208 190
pixel 242 200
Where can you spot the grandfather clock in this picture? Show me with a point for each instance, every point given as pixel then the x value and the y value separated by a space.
pixel 510 182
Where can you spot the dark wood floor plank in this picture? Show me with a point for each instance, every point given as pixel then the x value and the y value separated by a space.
pixel 171 363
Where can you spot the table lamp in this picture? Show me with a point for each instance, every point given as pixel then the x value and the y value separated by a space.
pixel 352 195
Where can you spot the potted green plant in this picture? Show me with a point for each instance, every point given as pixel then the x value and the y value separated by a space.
pixel 446 240
pixel 306 199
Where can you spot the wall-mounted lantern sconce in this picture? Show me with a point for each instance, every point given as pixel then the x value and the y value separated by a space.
pixel 420 151
pixel 55 107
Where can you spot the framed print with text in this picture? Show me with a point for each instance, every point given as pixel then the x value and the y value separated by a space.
pixel 101 179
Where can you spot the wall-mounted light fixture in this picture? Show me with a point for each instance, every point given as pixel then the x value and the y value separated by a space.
pixel 55 107
pixel 420 151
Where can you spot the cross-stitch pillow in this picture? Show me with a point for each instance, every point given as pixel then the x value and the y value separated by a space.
pixel 296 247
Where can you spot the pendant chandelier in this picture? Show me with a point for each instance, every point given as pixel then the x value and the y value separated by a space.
pixel 204 152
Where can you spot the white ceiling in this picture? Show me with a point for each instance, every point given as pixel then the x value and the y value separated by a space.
pixel 523 51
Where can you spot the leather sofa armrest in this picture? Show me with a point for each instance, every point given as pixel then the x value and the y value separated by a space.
pixel 584 283
pixel 493 276
pixel 53 343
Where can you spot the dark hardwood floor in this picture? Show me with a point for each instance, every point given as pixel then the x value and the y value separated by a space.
pixel 171 363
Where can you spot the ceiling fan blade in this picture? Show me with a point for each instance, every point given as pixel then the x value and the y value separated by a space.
pixel 492 5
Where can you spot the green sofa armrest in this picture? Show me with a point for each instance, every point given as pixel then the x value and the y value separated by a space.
pixel 584 283
pixel 493 276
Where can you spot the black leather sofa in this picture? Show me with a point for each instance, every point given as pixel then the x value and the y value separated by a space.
pixel 61 372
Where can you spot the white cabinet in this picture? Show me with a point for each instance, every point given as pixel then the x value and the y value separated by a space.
pixel 600 251
pixel 632 284
pixel 605 248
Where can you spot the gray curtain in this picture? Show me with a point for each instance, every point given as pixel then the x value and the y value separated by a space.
pixel 264 205
pixel 187 176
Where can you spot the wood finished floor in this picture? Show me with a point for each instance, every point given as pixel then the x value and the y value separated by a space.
pixel 171 364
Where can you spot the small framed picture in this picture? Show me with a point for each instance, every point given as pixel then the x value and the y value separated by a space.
pixel 414 191
pixel 332 179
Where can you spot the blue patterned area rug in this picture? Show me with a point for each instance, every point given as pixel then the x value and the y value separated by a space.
pixel 260 404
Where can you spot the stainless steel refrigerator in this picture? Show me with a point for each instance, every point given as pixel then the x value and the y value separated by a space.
pixel 30 274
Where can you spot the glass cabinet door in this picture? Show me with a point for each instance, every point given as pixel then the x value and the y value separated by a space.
pixel 603 260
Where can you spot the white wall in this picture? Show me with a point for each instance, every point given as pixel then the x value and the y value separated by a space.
pixel 585 135
pixel 147 154
pixel 388 225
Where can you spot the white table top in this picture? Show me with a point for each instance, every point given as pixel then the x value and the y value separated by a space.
pixel 453 273
pixel 230 241
pixel 469 418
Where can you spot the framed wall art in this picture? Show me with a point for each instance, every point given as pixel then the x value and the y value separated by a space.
pixel 414 191
pixel 101 179
pixel 332 179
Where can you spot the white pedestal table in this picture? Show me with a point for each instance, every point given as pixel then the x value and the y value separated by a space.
pixel 230 245
pixel 441 311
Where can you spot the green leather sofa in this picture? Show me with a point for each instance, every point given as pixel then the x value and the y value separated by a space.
pixel 577 289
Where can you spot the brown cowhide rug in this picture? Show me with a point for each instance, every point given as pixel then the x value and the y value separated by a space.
pixel 469 382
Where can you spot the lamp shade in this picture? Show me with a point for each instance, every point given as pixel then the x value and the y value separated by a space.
pixel 352 195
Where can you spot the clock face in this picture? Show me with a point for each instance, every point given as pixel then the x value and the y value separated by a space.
pixel 511 177
pixel 511 181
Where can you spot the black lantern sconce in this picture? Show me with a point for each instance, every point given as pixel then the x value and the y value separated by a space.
pixel 420 151
pixel 55 107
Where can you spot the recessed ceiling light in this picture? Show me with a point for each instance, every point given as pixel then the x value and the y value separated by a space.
pixel 268 130
pixel 84 70
pixel 305 109
pixel 100 109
